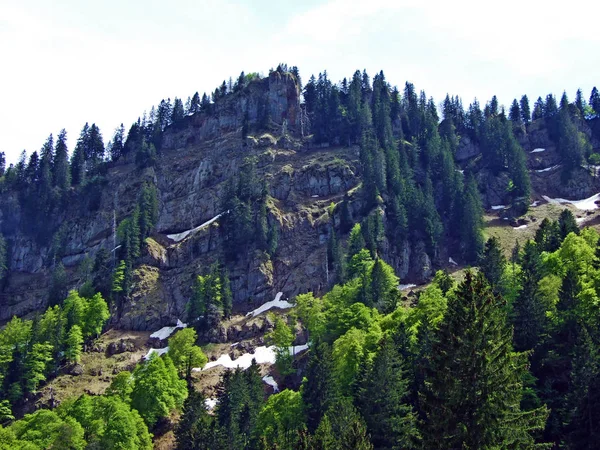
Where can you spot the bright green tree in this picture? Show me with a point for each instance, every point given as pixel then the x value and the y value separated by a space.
pixel 184 353
pixel 281 336
pixel 157 389
pixel 281 421
pixel 46 430
pixel 36 364
pixel 73 344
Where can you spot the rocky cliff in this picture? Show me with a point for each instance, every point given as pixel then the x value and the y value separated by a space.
pixel 190 175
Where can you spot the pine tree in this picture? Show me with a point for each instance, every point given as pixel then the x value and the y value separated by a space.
pixel 493 262
pixel 319 391
pixel 178 113
pixel 514 115
pixel 195 430
pixel 472 222
pixel 595 101
pixel 473 385
pixel 525 111
pixel 117 145
pixel 60 166
pixel 567 224
pixel 73 344
pixel 548 236
pixel 528 315
pixel 383 400
pixel 580 103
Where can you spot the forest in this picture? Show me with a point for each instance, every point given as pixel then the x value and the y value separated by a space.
pixel 505 356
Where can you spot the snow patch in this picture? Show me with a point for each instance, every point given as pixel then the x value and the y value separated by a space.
pixel 268 379
pixel 534 204
pixel 520 227
pixel 497 207
pixel 404 287
pixel 315 196
pixel 547 169
pixel 538 150
pixel 211 403
pixel 181 236
pixel 165 332
pixel 581 219
pixel 277 303
pixel 261 355
pixel 158 351
pixel 587 204
pixel 451 261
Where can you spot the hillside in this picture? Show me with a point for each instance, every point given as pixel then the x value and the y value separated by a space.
pixel 326 230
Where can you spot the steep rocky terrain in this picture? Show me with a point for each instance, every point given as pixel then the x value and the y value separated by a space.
pixel 196 160
pixel 190 176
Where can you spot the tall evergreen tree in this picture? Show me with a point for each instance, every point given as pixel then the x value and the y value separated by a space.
pixel 473 385
pixel 528 315
pixel 320 390
pixel 525 111
pixel 383 400
pixel 493 262
pixel 60 165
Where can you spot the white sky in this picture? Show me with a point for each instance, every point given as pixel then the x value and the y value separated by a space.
pixel 67 62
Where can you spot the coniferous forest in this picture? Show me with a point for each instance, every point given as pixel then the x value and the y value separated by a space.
pixel 501 354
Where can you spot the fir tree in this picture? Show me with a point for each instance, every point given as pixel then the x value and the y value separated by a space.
pixel 567 224
pixel 60 166
pixel 473 385
pixel 319 391
pixel 528 315
pixel 525 111
pixel 493 262
pixel 383 401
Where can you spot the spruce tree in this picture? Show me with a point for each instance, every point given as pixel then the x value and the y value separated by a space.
pixel 473 383
pixel 383 400
pixel 525 111
pixel 60 166
pixel 567 224
pixel 493 262
pixel 195 430
pixel 595 101
pixel 320 390
pixel 528 315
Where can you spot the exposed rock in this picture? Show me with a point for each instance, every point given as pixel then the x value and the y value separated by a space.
pixel 122 346
pixel 466 149
pixel 75 370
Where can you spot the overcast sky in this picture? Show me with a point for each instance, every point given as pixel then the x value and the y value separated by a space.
pixel 64 63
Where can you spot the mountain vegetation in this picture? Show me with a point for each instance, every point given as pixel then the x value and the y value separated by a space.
pixel 501 355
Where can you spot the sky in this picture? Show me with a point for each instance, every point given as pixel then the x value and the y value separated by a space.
pixel 68 62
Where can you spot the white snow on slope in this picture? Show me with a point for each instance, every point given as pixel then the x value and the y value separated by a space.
pixel 534 204
pixel 404 287
pixel 211 403
pixel 538 150
pixel 165 332
pixel 587 204
pixel 268 379
pixel 261 355
pixel 158 351
pixel 451 261
pixel 548 169
pixel 181 236
pixel 520 227
pixel 277 303
pixel 497 207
